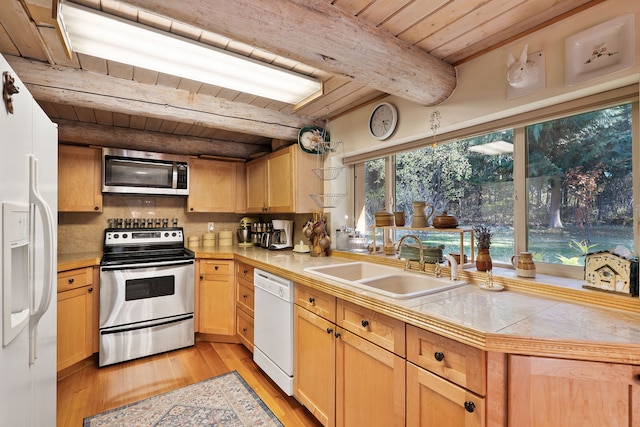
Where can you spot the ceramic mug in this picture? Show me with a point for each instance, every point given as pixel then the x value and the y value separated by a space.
pixel 525 267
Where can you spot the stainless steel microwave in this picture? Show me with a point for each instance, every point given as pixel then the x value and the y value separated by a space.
pixel 141 172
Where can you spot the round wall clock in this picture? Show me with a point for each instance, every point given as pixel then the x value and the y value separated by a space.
pixel 383 120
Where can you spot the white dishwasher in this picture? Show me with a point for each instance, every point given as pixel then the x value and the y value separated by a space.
pixel 273 328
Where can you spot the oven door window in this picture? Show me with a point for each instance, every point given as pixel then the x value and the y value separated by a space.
pixel 149 287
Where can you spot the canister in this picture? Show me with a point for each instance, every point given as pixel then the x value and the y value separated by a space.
pixel 225 238
pixel 194 241
pixel 209 239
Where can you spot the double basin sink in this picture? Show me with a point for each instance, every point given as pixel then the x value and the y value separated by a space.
pixel 385 280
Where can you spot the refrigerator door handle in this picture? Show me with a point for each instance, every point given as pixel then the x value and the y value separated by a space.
pixel 48 267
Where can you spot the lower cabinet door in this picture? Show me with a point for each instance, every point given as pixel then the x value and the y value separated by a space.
pixel 75 323
pixel 546 392
pixel 314 364
pixel 435 402
pixel 370 384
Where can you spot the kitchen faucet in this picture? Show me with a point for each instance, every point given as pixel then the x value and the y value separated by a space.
pixel 454 266
pixel 421 260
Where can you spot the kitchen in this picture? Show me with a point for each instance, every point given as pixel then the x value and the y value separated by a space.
pixel 83 232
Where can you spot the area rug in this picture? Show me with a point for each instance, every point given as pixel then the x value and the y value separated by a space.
pixel 226 400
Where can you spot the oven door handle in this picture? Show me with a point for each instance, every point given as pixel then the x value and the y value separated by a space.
pixel 147 265
pixel 145 325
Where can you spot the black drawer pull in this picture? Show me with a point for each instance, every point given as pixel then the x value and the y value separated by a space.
pixel 72 280
pixel 312 300
pixel 244 330
pixel 90 290
pixel 329 330
pixel 439 356
pixel 365 323
pixel 469 406
pixel 337 334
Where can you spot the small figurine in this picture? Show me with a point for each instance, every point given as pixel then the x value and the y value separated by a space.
pixel 8 88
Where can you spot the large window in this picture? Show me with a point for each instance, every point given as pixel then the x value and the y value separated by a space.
pixel 580 187
pixel 575 173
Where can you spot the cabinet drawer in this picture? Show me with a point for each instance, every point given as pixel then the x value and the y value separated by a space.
pixel 378 328
pixel 215 268
pixel 73 279
pixel 244 328
pixel 449 359
pixel 244 271
pixel 317 302
pixel 244 296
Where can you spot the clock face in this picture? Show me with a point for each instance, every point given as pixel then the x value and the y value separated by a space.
pixel 383 121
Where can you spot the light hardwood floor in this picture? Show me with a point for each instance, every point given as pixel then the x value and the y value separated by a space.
pixel 89 390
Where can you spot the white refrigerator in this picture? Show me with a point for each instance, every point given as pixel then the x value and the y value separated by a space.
pixel 28 198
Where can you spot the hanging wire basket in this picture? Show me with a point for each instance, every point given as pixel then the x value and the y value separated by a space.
pixel 328 200
pixel 328 174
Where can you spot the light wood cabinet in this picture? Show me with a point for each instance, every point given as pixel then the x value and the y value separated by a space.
pixel 433 402
pixel 79 179
pixel 282 181
pixel 370 368
pixel 77 316
pixel 244 304
pixel 570 393
pixel 215 186
pixel 216 297
pixel 341 377
pixel 446 381
pixel 314 352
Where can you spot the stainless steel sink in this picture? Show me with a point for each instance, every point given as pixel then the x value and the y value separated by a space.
pixel 384 280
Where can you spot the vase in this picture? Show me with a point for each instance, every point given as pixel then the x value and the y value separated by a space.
pixel 483 260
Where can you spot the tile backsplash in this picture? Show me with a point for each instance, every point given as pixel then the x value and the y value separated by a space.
pixel 84 232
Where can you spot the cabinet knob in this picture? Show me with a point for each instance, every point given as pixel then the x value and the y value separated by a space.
pixel 439 356
pixel 90 290
pixel 245 271
pixel 469 406
pixel 96 208
pixel 312 300
pixel 244 330
pixel 201 277
pixel 215 268
pixel 337 334
pixel 329 330
pixel 365 323
pixel 72 280
pixel 245 296
pixel 190 209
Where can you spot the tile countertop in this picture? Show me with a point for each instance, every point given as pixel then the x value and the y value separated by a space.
pixel 511 321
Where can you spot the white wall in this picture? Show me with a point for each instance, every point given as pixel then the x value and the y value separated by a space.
pixel 481 92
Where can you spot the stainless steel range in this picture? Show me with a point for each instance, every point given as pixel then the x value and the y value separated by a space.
pixel 146 293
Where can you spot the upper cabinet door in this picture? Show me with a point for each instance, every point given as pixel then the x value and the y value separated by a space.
pixel 79 179
pixel 213 186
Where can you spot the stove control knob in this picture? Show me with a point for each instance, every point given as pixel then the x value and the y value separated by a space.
pixel 116 236
pixel 173 234
pixel 166 234
pixel 125 235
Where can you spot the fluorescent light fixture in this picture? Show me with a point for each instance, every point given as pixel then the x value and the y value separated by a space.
pixel 493 148
pixel 97 34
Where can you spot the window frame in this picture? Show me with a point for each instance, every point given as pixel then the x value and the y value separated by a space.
pixel 518 123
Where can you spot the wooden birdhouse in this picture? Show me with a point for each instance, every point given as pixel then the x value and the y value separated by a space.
pixel 611 272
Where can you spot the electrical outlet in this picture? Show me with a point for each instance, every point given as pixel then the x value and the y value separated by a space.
pixel 210 226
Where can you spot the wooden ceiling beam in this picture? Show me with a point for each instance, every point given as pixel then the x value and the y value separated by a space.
pixel 324 36
pixel 81 88
pixel 118 137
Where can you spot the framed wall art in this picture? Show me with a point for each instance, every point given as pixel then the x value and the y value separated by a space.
pixel 600 50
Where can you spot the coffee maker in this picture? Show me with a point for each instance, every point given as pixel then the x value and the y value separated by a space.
pixel 244 232
pixel 281 236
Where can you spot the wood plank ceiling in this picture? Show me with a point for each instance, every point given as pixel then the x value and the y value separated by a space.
pixel 360 49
